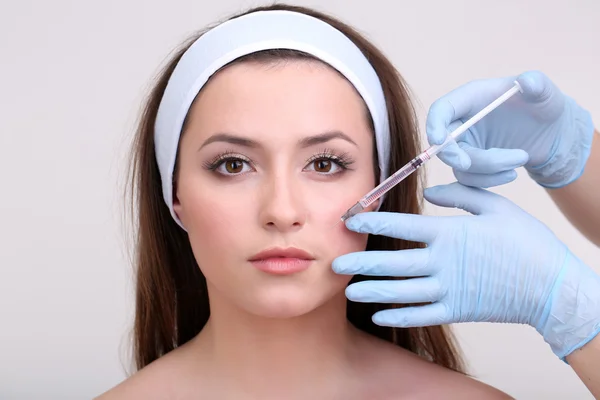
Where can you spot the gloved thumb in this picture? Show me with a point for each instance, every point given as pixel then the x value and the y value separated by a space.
pixel 473 200
pixel 539 89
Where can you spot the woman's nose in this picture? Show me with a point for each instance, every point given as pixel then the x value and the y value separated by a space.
pixel 282 204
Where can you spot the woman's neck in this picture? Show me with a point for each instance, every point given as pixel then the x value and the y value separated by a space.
pixel 280 356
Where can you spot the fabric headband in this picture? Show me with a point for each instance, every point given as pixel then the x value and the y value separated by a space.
pixel 251 33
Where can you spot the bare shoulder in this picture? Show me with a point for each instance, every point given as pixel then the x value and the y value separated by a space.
pixel 396 373
pixel 165 378
pixel 454 385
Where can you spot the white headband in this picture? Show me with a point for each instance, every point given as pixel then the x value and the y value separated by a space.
pixel 252 33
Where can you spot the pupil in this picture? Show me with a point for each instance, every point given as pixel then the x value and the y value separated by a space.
pixel 233 166
pixel 323 165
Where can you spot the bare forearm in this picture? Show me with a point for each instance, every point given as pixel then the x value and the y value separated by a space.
pixel 580 201
pixel 586 364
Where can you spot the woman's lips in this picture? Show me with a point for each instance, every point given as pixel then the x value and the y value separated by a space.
pixel 282 261
pixel 282 265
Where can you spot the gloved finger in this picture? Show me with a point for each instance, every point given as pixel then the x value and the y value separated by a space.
pixel 401 263
pixel 485 180
pixel 538 88
pixel 409 317
pixel 473 200
pixel 462 102
pixel 415 290
pixel 412 227
pixel 493 160
pixel 455 157
pixel 441 114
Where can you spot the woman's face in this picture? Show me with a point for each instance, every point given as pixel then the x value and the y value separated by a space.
pixel 271 157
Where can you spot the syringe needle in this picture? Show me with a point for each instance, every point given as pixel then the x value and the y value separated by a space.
pixel 337 223
pixel 355 209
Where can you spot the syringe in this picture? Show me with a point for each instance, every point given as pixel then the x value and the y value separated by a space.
pixel 425 156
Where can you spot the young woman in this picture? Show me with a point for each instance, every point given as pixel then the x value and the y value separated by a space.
pixel 257 137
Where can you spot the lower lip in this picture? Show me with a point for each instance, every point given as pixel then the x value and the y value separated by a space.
pixel 282 266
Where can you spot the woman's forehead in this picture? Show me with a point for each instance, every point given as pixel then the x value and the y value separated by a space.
pixel 302 95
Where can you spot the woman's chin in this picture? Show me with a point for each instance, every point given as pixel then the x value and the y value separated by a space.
pixel 287 303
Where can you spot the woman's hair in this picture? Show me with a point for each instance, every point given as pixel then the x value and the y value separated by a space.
pixel 171 295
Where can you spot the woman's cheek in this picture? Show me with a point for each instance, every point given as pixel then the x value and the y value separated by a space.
pixel 330 228
pixel 222 216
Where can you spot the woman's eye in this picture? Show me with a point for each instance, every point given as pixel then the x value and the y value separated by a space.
pixel 325 166
pixel 233 166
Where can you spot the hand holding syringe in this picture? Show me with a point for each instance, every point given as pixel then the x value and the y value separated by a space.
pixel 425 156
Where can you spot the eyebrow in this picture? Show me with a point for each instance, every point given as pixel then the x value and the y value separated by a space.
pixel 304 142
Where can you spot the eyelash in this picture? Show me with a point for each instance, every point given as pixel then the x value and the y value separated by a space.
pixel 223 157
pixel 342 160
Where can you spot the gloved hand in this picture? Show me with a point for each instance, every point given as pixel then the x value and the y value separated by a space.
pixel 541 129
pixel 499 265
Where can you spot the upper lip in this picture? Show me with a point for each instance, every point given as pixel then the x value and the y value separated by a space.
pixel 278 252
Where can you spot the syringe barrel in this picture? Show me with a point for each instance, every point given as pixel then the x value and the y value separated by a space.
pixel 394 179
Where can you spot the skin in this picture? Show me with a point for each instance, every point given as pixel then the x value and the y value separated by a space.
pixel 580 202
pixel 273 337
pixel 586 364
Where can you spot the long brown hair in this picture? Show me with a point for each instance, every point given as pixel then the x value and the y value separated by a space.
pixel 171 295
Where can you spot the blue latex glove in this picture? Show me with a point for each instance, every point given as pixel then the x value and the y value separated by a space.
pixel 499 265
pixel 541 129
